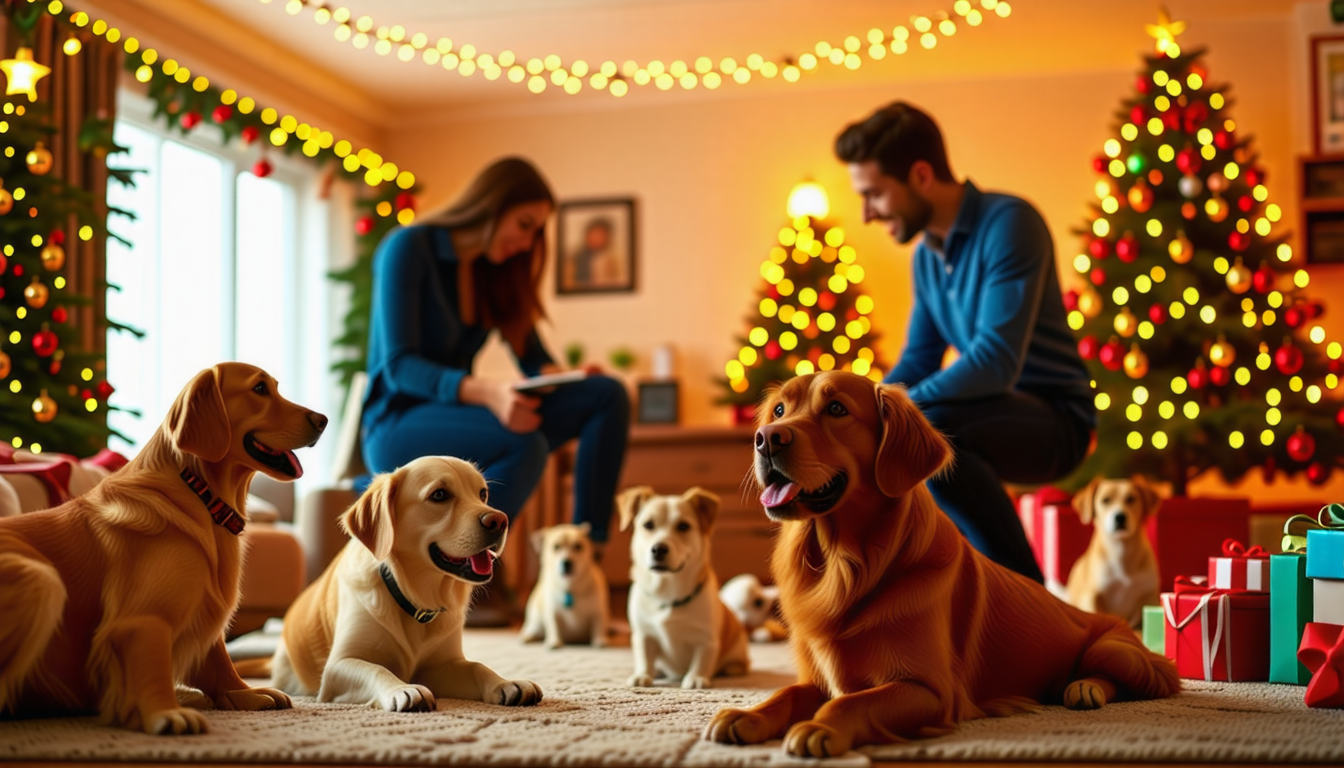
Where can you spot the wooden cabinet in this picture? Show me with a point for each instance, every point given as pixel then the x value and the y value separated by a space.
pixel 672 459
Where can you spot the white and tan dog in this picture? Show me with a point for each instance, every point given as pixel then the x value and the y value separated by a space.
pixel 383 624
pixel 1117 574
pixel 571 601
pixel 679 626
pixel 754 605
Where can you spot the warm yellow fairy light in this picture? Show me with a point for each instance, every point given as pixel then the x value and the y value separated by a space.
pixel 1207 314
pixel 734 369
pixel 1236 439
pixel 1154 228
pixel 1301 279
pixel 1129 131
pixel 1103 401
pixel 1146 330
pixel 1317 334
pixel 1176 310
pixel 1120 295
pixel 1143 284
pixel 1178 385
pixel 1166 409
pixel 1267 438
pixel 1191 295
pixel 1273 416
pixel 1333 350
pixel 1082 264
pixel 1159 440
pixel 788 340
pixel 1133 412
pixel 1076 320
pixel 1191 410
pixel 768 307
pixel 1134 440
pixel 1101 227
pixel 1242 376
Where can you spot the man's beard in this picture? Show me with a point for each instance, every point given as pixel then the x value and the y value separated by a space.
pixel 915 220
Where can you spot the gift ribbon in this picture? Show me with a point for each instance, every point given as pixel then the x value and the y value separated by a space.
pixel 1234 548
pixel 1295 528
pixel 1184 586
pixel 1322 652
pixel 1236 554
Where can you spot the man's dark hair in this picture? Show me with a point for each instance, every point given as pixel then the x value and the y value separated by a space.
pixel 896 136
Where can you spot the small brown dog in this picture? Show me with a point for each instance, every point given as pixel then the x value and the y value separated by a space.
pixel 109 600
pixel 899 628
pixel 571 602
pixel 1117 575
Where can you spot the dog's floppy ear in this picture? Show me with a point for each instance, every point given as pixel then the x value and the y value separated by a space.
pixel 538 539
pixel 1151 501
pixel 705 504
pixel 629 502
pixel 911 450
pixel 586 529
pixel 370 518
pixel 198 422
pixel 1084 500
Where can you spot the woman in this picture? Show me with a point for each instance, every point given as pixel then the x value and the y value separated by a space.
pixel 439 288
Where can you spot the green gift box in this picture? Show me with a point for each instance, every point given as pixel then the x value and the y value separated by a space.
pixel 1290 608
pixel 1155 629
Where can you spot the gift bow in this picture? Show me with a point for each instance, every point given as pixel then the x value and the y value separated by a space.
pixel 1234 548
pixel 1184 586
pixel 1323 653
pixel 1295 528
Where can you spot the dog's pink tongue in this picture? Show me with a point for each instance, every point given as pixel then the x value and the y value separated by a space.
pixel 779 494
pixel 294 462
pixel 482 563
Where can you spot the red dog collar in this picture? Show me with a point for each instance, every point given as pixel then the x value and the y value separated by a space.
pixel 224 516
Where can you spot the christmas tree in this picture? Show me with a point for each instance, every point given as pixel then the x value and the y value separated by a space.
pixel 812 315
pixel 1193 317
pixel 53 393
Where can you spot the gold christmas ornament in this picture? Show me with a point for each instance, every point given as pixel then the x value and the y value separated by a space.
pixel 1216 182
pixel 1136 363
pixel 53 257
pixel 1141 196
pixel 1126 323
pixel 36 294
pixel 1221 353
pixel 5 365
pixel 1217 209
pixel 6 200
pixel 1089 302
pixel 44 408
pixel 39 160
pixel 1181 249
pixel 1239 277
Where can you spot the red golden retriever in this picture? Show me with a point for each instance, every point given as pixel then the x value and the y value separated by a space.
pixel 899 628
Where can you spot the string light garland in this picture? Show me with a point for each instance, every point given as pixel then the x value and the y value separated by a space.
pixel 541 74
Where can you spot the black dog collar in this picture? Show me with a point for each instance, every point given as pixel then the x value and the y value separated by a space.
pixel 682 601
pixel 224 516
pixel 419 614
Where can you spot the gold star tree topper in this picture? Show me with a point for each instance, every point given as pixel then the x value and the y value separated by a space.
pixel 1165 31
pixel 22 73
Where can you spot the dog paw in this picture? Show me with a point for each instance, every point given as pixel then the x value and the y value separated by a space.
pixel 1084 694
pixel 639 681
pixel 554 645
pixel 738 726
pixel 408 698
pixel 251 699
pixel 514 693
pixel 814 739
pixel 695 682
pixel 175 722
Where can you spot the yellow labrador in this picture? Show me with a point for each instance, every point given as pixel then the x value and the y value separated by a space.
pixel 383 624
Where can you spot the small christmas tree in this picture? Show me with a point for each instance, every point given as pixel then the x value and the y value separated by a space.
pixel 1195 325
pixel 811 316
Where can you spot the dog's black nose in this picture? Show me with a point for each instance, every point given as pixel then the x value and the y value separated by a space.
pixel 771 439
pixel 659 552
pixel 494 521
pixel 318 421
pixel 566 566
pixel 1121 521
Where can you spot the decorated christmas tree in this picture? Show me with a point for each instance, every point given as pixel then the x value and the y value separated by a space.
pixel 1192 315
pixel 811 316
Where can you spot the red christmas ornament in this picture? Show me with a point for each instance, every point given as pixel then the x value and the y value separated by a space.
pixel 1194 116
pixel 1219 376
pixel 1293 316
pixel 1143 85
pixel 1263 279
pixel 190 119
pixel 262 168
pixel 772 350
pixel 1158 314
pixel 1112 355
pixel 851 314
pixel 85 394
pixel 1223 140
pixel 4 263
pixel 1301 446
pixel 104 390
pixel 826 301
pixel 1070 300
pixel 1314 309
pixel 1138 115
pixel 364 225
pixel 1171 119
pixel 1099 163
pixel 1245 203
pixel 1098 276
pixel 1188 161
pixel 18 270
pixel 59 315
pixel 1288 358
pixel 1339 418
pixel 45 343
pixel 222 113
pixel 772 291
pixel 1088 347
pixel 57 236
pixel 1099 248
pixel 1238 241
pixel 250 134
pixel 1198 376
pixel 1127 248
pixel 1318 473
pixel 405 200
pixel 55 367
pixel 1254 177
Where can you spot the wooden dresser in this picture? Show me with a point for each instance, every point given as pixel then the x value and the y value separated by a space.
pixel 672 459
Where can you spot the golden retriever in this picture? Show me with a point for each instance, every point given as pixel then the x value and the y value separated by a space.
pixel 109 600
pixel 383 623
pixel 1117 574
pixel 899 628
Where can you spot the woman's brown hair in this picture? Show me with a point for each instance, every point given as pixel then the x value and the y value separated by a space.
pixel 506 294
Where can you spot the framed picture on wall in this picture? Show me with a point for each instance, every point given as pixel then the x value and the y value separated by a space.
pixel 1327 86
pixel 596 251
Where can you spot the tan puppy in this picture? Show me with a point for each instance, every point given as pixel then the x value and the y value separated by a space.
pixel 679 627
pixel 899 628
pixel 1118 572
pixel 571 601
pixel 383 623
pixel 109 600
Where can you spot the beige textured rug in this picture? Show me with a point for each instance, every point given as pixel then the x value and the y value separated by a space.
pixel 590 718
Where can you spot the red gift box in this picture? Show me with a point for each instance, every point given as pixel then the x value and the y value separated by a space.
pixel 1216 634
pixel 1186 530
pixel 1240 568
pixel 1058 538
pixel 1322 652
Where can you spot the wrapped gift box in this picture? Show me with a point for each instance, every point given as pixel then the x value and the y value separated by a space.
pixel 1290 610
pixel 1327 600
pixel 1240 568
pixel 1155 629
pixel 1058 538
pixel 1325 554
pixel 1185 530
pixel 1217 635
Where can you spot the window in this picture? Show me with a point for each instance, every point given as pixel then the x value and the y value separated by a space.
pixel 222 265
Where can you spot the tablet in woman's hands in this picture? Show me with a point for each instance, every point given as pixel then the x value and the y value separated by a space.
pixel 550 380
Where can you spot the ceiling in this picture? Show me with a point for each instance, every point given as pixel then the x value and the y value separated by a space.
pixel 1040 35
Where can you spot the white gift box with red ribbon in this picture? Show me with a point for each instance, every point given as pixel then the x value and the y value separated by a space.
pixel 1240 568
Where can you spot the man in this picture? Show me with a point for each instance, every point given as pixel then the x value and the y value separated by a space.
pixel 1017 402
